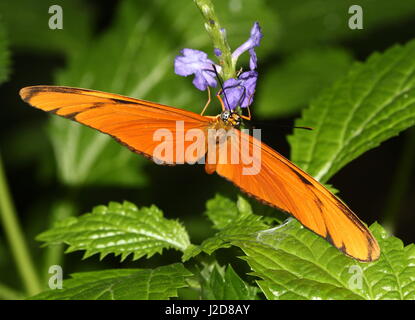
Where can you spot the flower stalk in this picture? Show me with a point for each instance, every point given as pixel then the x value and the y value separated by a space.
pixel 218 37
pixel 238 88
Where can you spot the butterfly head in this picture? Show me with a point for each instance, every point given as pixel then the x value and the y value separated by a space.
pixel 231 118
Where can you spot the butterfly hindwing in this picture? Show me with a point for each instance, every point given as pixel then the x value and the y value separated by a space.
pixel 281 184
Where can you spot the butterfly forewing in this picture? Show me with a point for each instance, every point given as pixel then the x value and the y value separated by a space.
pixel 140 125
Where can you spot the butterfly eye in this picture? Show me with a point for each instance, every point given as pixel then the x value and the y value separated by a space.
pixel 225 115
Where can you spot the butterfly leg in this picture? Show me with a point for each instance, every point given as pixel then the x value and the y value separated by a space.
pixel 207 103
pixel 249 110
pixel 220 100
pixel 248 117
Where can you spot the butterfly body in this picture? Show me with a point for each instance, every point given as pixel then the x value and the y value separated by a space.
pixel 145 126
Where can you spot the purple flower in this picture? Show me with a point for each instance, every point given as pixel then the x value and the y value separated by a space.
pixel 237 92
pixel 249 45
pixel 240 92
pixel 196 62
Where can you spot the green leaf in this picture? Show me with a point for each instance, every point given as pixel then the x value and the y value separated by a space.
pixel 21 16
pixel 240 228
pixel 288 87
pixel 294 263
pixel 222 211
pixel 238 223
pixel 121 229
pixel 121 284
pixel 191 252
pixel 372 103
pixel 218 284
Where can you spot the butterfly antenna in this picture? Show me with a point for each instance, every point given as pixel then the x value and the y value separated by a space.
pixel 305 128
pixel 221 83
pixel 263 123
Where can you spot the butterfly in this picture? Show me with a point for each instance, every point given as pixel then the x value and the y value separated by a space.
pixel 279 183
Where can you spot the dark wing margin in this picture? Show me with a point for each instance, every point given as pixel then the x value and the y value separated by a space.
pixel 28 93
pixel 131 122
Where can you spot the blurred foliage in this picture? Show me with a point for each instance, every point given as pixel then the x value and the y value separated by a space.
pixel 307 23
pixel 128 47
pixel 291 85
pixel 27 22
pixel 4 54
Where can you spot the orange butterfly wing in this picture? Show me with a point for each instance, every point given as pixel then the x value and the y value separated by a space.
pixel 130 121
pixel 281 184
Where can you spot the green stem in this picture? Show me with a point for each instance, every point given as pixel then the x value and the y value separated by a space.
pixel 15 238
pixel 218 37
pixel 54 253
pixel 400 183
